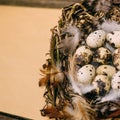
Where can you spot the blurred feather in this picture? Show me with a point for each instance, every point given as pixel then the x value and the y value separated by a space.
pixel 75 86
pixel 87 88
pixel 80 109
pixel 109 26
pixel 113 95
pixel 43 81
pixel 52 112
pixel 71 40
pixel 103 5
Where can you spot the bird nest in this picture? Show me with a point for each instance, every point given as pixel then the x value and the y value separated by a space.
pixel 82 73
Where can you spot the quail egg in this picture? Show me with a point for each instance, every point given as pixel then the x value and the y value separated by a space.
pixel 116 58
pixel 96 39
pixel 86 74
pixel 115 82
pixel 101 84
pixel 82 56
pixel 106 70
pixel 114 38
pixel 102 55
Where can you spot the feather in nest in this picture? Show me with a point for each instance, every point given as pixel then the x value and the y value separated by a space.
pixel 71 40
pixel 80 109
pixel 109 26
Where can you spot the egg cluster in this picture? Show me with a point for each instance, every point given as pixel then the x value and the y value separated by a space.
pixel 96 62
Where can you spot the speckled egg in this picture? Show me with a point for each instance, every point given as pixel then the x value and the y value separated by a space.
pixel 102 55
pixel 115 82
pixel 86 74
pixel 116 58
pixel 106 70
pixel 114 38
pixel 102 84
pixel 82 56
pixel 96 39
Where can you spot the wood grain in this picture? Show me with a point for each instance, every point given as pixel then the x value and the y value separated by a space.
pixel 39 3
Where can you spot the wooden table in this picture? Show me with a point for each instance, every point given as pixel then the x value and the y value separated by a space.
pixel 39 3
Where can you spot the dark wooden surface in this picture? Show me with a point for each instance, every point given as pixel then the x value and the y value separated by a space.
pixel 7 116
pixel 39 3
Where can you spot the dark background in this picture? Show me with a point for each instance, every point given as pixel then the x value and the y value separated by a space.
pixel 39 3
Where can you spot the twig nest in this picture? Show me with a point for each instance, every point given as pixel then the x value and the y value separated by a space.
pixel 86 74
pixel 82 55
pixel 114 38
pixel 102 84
pixel 102 55
pixel 106 70
pixel 84 66
pixel 96 39
pixel 115 82
pixel 116 58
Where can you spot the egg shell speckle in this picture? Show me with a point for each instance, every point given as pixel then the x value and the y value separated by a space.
pixel 101 84
pixel 116 58
pixel 96 39
pixel 114 38
pixel 86 74
pixel 103 55
pixel 106 70
pixel 115 82
pixel 82 56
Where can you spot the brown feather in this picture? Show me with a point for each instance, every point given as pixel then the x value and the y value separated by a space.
pixel 53 112
pixel 43 81
pixel 115 114
pixel 80 110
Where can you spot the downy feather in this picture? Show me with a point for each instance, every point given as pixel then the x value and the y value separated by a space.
pixel 109 26
pixel 69 44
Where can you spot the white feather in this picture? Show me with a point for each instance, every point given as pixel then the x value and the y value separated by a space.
pixel 75 31
pixel 75 87
pixel 109 26
pixel 103 5
pixel 85 89
pixel 112 96
pixel 69 44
